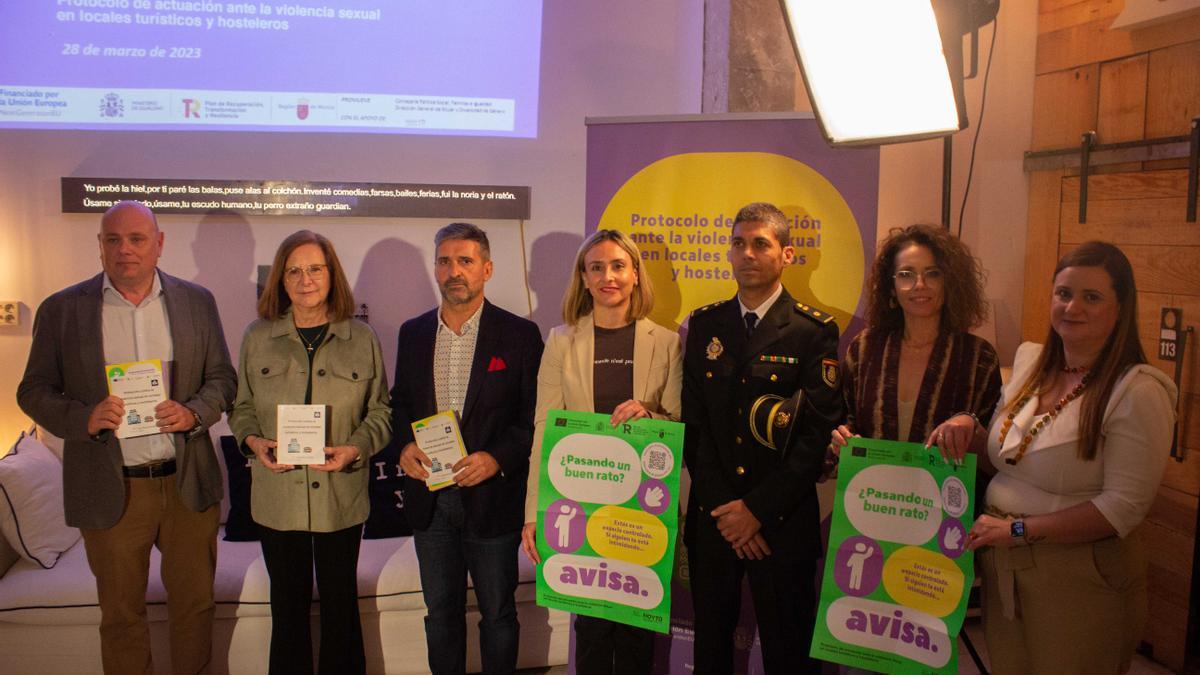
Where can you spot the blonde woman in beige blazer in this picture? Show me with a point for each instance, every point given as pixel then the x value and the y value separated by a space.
pixel 608 358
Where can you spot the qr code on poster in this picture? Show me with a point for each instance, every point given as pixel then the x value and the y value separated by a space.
pixel 954 498
pixel 657 460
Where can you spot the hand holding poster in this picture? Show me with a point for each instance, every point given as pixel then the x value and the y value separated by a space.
pixel 897 573
pixel 608 516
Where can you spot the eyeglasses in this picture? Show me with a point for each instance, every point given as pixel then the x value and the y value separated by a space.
pixel 906 280
pixel 314 272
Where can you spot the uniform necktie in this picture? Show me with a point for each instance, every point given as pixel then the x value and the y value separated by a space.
pixel 751 321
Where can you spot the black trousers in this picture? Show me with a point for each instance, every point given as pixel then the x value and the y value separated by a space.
pixel 784 605
pixel 290 558
pixel 604 647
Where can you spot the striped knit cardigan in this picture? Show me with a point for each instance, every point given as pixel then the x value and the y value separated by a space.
pixel 963 374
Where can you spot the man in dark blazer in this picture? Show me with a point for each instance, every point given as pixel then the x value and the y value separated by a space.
pixel 753 505
pixel 162 489
pixel 481 362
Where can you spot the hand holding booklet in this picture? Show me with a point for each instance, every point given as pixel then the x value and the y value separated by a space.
pixel 140 384
pixel 300 434
pixel 439 437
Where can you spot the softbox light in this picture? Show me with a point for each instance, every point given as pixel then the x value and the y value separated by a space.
pixel 876 70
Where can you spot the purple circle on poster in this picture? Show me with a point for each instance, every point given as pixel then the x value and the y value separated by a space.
pixel 653 496
pixel 858 566
pixel 565 528
pixel 952 537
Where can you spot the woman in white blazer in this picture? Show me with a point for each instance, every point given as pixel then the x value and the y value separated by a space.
pixel 607 358
pixel 1079 442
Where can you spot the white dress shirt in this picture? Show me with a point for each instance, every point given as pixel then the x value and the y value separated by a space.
pixel 138 333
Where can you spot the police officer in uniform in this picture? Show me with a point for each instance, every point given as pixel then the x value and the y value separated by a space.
pixel 760 399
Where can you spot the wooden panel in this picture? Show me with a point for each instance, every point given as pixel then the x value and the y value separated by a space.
pixel 1173 92
pixel 1185 476
pixel 1166 628
pixel 1048 6
pixel 1133 221
pixel 1169 570
pixel 1075 13
pixel 1176 511
pixel 1160 269
pixel 1065 105
pixel 1041 252
pixel 1093 42
pixel 1122 100
pixel 1141 185
pixel 1163 164
pixel 1168 549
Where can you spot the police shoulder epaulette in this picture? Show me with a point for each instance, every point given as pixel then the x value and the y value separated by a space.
pixel 813 313
pixel 700 310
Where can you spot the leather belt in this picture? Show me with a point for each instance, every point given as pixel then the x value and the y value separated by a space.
pixel 151 470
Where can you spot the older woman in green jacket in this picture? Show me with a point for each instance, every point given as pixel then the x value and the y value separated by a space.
pixel 306 349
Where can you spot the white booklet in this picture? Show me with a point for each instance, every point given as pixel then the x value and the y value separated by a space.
pixel 440 439
pixel 300 434
pixel 140 384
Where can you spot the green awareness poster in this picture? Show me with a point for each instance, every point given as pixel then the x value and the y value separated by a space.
pixel 897 571
pixel 608 505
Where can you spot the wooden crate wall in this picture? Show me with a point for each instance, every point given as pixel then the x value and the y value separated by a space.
pixel 1127 85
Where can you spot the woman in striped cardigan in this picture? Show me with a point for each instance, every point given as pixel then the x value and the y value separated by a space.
pixel 915 365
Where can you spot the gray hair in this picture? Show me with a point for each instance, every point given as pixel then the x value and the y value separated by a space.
pixel 464 232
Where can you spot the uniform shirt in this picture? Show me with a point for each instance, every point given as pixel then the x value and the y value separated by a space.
pixel 762 309
pixel 453 355
pixel 137 333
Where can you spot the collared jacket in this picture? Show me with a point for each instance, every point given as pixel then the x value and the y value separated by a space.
pixel 794 348
pixel 348 376
pixel 497 414
pixel 565 381
pixel 64 380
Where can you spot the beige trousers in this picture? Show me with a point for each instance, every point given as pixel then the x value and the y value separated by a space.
pixel 120 559
pixel 1064 608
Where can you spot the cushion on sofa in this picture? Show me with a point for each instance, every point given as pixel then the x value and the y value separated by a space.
pixel 53 443
pixel 31 503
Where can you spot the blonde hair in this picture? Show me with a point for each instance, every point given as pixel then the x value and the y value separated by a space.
pixel 577 303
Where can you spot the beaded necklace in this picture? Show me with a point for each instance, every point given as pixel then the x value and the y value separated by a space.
pixel 1041 423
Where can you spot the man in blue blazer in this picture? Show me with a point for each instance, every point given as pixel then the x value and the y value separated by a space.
pixel 481 362
pixel 162 489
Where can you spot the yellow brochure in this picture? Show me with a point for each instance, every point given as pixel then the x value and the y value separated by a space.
pixel 440 439
pixel 140 384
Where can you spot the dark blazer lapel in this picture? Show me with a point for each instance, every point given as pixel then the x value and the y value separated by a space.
pixel 731 329
pixel 91 342
pixel 183 331
pixel 770 327
pixel 423 358
pixel 484 351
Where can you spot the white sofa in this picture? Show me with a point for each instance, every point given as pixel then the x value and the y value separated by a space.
pixel 49 618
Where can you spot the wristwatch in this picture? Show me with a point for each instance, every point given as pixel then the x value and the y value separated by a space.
pixel 1017 530
pixel 199 423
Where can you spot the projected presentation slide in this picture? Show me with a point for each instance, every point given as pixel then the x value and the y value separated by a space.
pixel 463 67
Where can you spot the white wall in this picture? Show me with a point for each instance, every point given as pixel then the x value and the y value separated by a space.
pixel 620 57
pixel 996 213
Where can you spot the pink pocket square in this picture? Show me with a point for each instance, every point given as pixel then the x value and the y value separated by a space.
pixel 496 364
